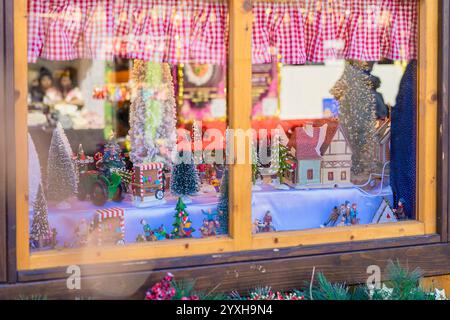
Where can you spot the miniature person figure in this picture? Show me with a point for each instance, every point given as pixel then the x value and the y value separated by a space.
pixel 204 228
pixel 255 226
pixel 161 233
pixel 214 181
pixel 148 233
pixel 54 234
pixel 354 214
pixel 212 231
pixel 186 229
pixel 347 213
pixel 82 232
pixel 267 221
pixel 400 210
pixel 332 219
pixel 342 222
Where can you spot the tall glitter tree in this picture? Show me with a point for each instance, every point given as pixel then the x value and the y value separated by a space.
pixel 41 234
pixel 152 113
pixel 166 134
pixel 357 116
pixel 143 149
pixel 62 180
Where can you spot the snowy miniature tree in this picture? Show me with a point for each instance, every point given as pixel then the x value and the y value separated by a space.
pixel 34 171
pixel 256 165
pixel 185 180
pixel 182 224
pixel 222 207
pixel 283 167
pixel 41 234
pixel 357 116
pixel 62 180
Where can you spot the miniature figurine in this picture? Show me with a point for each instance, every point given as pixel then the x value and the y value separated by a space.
pixel 256 226
pixel 148 233
pixel 161 233
pixel 267 223
pixel 82 232
pixel 214 181
pixel 140 238
pixel 342 222
pixel 354 214
pixel 53 241
pixel 347 213
pixel 204 228
pixel 332 219
pixel 400 210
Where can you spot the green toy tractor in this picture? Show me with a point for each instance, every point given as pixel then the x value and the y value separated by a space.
pixel 100 188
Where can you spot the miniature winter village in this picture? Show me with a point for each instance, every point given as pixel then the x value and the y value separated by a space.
pixel 157 189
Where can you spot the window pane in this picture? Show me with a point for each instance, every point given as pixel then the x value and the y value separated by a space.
pixel 334 113
pixel 127 122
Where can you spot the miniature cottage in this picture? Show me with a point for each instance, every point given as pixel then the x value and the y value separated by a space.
pixel 383 142
pixel 336 156
pixel 322 154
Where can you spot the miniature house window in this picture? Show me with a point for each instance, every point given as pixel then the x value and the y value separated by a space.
pixel 330 176
pixel 131 129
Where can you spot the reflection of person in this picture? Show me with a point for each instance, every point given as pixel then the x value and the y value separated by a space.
pixel 381 110
pixel 70 93
pixel 43 91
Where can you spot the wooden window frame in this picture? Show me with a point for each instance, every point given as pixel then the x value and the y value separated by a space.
pixel 239 101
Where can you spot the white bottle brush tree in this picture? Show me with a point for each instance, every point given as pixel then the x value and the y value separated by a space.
pixel 62 178
pixel 40 234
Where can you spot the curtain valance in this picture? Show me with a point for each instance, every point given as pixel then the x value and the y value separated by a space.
pixel 181 31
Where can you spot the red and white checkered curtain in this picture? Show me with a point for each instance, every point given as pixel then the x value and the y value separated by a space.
pixel 181 31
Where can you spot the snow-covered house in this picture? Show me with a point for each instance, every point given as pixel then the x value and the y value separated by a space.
pixel 322 154
pixel 336 156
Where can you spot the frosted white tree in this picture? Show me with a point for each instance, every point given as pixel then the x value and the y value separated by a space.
pixel 62 179
pixel 34 171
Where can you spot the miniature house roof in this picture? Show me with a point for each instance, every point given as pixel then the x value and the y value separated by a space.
pixel 312 139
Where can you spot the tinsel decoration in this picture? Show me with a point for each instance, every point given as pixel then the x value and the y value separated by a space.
pixel 152 114
pixel 357 116
pixel 61 172
pixel 41 234
pixel 222 207
pixel 182 226
pixel 185 180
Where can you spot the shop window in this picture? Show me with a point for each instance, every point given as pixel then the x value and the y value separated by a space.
pixel 131 128
pixel 334 107
pixel 127 147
